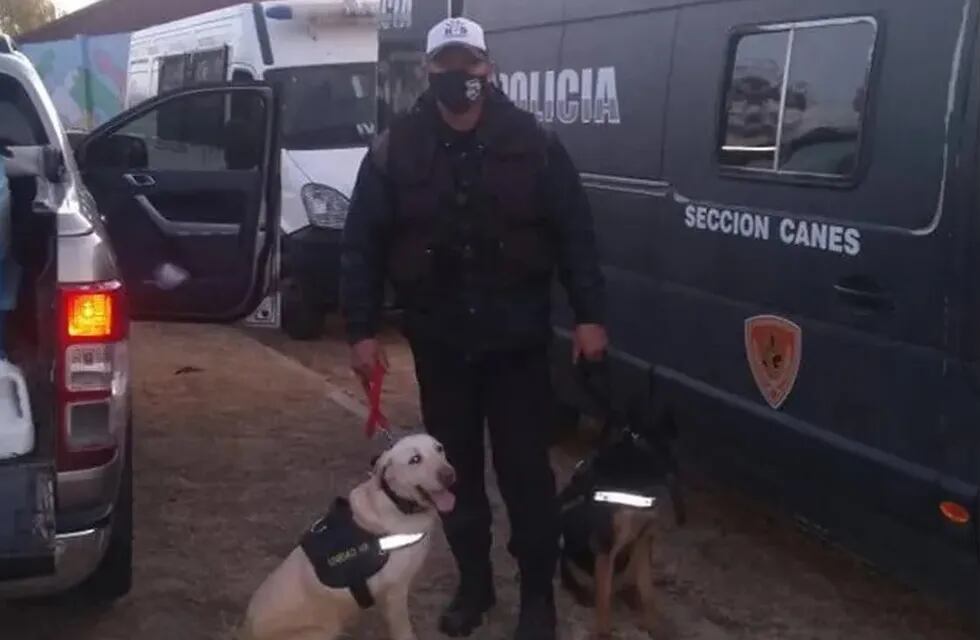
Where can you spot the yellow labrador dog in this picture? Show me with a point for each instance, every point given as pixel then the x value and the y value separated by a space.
pixel 365 552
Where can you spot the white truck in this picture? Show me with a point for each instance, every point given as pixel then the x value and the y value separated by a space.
pixel 321 56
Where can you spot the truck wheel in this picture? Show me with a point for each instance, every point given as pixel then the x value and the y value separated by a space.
pixel 301 320
pixel 114 577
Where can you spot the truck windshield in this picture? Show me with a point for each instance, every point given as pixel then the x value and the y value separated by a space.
pixel 326 107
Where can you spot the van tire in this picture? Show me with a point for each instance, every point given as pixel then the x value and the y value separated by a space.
pixel 114 577
pixel 301 320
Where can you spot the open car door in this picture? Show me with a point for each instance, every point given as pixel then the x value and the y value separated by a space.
pixel 188 186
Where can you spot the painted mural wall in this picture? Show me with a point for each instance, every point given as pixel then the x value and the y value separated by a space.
pixel 86 76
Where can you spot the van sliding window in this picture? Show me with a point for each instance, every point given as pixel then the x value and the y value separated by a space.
pixel 188 69
pixel 796 96
pixel 172 72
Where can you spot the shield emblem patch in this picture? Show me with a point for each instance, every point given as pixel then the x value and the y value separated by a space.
pixel 774 347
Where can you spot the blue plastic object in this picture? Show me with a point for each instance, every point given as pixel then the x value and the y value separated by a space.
pixel 279 12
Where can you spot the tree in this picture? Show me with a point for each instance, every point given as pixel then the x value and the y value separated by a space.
pixel 21 16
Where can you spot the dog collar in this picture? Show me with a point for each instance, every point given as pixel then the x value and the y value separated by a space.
pixel 406 506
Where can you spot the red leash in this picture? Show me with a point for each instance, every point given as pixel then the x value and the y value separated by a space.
pixel 376 419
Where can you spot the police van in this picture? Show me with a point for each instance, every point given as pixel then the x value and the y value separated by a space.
pixel 403 28
pixel 786 200
pixel 321 55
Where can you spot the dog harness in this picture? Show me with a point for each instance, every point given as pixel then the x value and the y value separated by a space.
pixel 586 523
pixel 346 556
pixel 623 474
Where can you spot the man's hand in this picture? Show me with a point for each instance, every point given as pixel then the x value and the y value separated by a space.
pixel 590 342
pixel 364 356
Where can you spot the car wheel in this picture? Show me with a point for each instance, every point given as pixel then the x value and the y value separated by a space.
pixel 301 320
pixel 114 577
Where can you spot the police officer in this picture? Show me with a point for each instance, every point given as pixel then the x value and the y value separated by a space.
pixel 469 208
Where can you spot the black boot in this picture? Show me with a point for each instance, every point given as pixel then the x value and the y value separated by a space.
pixel 474 597
pixel 538 620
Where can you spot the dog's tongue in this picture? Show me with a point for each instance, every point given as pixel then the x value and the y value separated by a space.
pixel 445 501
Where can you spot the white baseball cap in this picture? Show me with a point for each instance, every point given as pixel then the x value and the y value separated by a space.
pixel 456 32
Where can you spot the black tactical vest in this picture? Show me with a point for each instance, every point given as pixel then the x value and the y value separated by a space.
pixel 343 554
pixel 493 237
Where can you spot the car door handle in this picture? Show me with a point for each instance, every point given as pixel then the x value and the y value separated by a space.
pixel 139 179
pixel 864 294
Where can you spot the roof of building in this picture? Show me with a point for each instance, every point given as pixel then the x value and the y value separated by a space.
pixel 120 16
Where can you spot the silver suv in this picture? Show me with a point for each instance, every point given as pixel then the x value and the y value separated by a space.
pixel 168 212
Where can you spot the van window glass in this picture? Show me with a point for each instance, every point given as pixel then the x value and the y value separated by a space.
pixel 188 69
pixel 812 112
pixel 20 123
pixel 172 70
pixel 170 138
pixel 828 85
pixel 208 66
pixel 754 98
pixel 326 106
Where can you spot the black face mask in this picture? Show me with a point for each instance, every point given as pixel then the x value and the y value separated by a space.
pixel 457 90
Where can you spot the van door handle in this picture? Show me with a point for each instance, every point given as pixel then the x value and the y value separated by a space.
pixel 864 294
pixel 139 179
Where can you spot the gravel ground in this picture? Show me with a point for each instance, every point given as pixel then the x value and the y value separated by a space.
pixel 236 455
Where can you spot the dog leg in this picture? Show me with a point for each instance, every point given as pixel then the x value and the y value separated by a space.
pixel 644 582
pixel 604 565
pixel 395 606
pixel 582 595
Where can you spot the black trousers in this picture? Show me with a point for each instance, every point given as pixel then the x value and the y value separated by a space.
pixel 509 393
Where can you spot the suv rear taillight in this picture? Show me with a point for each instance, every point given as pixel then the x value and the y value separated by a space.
pixel 91 373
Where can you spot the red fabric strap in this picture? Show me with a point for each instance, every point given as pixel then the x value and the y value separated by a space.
pixel 376 420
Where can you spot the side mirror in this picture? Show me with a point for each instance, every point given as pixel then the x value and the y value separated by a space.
pixel 75 139
pixel 117 151
pixel 53 164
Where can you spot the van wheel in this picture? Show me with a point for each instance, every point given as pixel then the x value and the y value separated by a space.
pixel 301 320
pixel 114 577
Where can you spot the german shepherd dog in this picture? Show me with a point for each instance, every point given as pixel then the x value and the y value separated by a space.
pixel 610 506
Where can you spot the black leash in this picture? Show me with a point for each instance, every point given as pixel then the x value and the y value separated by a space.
pixel 596 381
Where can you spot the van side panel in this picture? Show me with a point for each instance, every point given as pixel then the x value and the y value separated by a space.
pixel 501 15
pixel 872 390
pixel 593 89
pixel 293 45
pixel 860 260
pixel 588 81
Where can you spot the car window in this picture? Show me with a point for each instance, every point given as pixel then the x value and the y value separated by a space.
pixel 210 131
pixel 20 123
pixel 796 98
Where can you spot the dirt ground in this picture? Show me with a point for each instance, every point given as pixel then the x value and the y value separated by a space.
pixel 241 449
